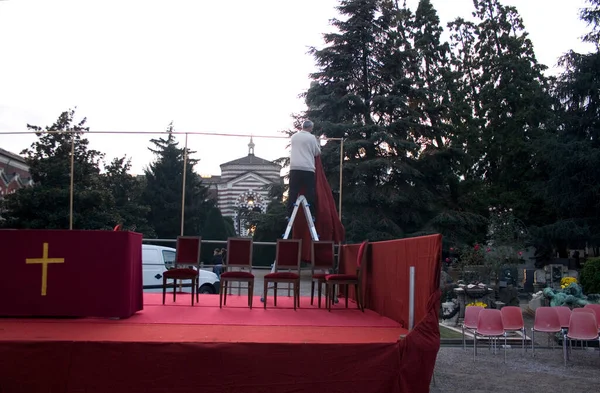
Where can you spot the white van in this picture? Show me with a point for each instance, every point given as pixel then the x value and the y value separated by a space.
pixel 157 259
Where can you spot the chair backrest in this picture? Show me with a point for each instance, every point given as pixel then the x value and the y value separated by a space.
pixel 361 259
pixel 322 255
pixel 512 318
pixel 288 253
pixel 239 252
pixel 188 250
pixel 583 326
pixel 471 316
pixel 546 320
pixel 489 322
pixel 596 308
pixel 585 310
pixel 564 315
pixel 117 227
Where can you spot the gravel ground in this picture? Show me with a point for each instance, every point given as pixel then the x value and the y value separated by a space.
pixel 455 371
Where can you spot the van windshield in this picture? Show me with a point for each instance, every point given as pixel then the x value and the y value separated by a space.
pixel 169 257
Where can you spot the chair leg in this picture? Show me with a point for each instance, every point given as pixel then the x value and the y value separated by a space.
pixel 474 346
pixel 225 292
pixel 312 291
pixel 250 293
pixel 174 290
pixel 164 288
pixel 266 286
pixel 193 290
pixel 347 290
pixel 319 293
pixel 196 288
pixel 464 341
pixel 359 299
pixel 295 284
pixel 275 293
pixel 221 293
pixel 330 287
pixel 532 343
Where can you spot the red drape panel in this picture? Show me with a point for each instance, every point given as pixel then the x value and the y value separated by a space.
pixel 328 224
pixel 386 289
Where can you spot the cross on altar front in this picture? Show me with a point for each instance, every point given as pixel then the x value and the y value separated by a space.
pixel 44 260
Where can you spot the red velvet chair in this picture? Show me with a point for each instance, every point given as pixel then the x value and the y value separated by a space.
pixel 287 257
pixel 322 258
pixel 239 255
pixel 187 255
pixel 331 280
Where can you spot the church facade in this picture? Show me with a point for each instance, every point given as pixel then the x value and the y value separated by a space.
pixel 241 186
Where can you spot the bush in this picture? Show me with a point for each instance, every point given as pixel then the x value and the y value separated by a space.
pixel 590 276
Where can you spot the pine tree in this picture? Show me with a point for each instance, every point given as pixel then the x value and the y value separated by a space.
pixel 46 204
pixel 127 193
pixel 164 183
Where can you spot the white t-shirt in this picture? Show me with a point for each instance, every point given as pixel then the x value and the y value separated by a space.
pixel 304 148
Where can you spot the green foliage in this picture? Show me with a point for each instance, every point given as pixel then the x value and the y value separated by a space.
pixel 590 276
pixel 215 228
pixel 46 204
pixel 127 191
pixel 163 193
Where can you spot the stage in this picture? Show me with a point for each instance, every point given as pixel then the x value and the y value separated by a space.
pixel 180 348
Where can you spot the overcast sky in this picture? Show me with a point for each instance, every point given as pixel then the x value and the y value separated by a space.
pixel 232 66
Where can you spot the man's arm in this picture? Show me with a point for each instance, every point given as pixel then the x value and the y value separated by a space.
pixel 317 146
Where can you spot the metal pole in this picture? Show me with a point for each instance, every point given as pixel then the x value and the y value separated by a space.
pixel 411 299
pixel 72 181
pixel 184 178
pixel 341 165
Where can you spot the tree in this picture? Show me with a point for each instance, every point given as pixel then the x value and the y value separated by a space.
pixel 164 183
pixel 215 228
pixel 127 193
pixel 46 204
pixel 361 93
pixel 572 157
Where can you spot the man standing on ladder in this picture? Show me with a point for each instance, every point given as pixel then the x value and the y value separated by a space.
pixel 304 148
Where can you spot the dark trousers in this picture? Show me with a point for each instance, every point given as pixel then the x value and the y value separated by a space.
pixel 302 183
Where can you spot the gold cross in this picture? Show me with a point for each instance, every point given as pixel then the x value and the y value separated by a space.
pixel 44 260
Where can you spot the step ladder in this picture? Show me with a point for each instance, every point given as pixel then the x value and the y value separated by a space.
pixel 302 203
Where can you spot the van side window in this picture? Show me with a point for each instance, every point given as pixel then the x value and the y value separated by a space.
pixel 169 257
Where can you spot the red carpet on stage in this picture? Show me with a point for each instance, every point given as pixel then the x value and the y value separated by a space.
pixel 275 349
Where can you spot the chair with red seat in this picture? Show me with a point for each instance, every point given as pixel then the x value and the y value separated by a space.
pixel 470 321
pixel 239 255
pixel 331 280
pixel 512 320
pixel 287 257
pixel 596 309
pixel 187 256
pixel 582 326
pixel 323 259
pixel 489 324
pixel 546 321
pixel 564 315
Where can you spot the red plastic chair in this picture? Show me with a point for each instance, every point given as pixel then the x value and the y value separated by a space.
pixel 564 316
pixel 331 280
pixel 596 308
pixel 489 324
pixel 187 256
pixel 546 321
pixel 582 326
pixel 322 258
pixel 287 256
pixel 470 321
pixel 512 320
pixel 239 255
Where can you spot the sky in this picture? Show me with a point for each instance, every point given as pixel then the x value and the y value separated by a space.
pixel 234 67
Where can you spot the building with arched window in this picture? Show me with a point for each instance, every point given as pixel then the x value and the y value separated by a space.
pixel 14 173
pixel 242 186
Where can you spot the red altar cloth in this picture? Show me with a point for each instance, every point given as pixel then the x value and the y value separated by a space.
pixel 88 274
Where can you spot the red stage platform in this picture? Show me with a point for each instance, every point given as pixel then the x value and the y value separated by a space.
pixel 179 348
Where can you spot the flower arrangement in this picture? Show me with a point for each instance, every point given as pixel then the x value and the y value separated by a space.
pixel 566 281
pixel 480 304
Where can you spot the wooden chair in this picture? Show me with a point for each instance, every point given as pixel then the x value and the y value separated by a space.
pixel 239 255
pixel 322 258
pixel 187 255
pixel 287 256
pixel 346 280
